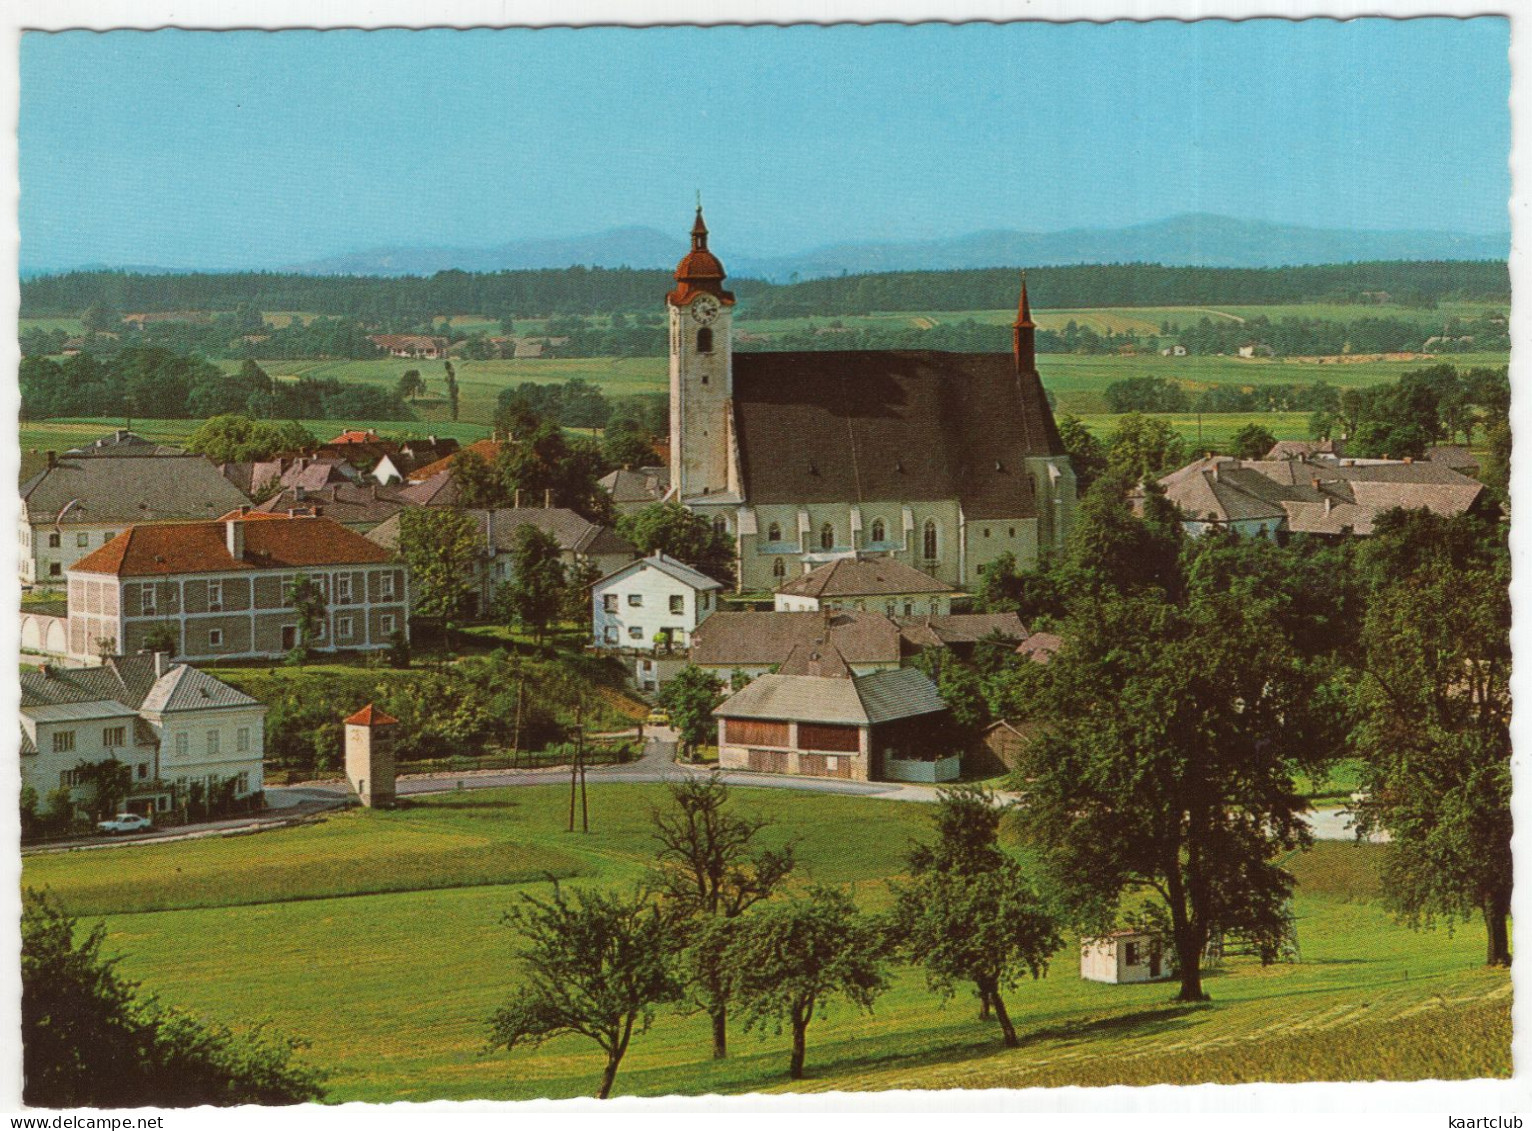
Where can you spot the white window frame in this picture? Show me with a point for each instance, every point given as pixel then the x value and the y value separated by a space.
pixel 677 604
pixel 386 624
pixel 212 743
pixel 343 589
pixel 242 740
pixel 386 587
pixel 148 599
pixel 343 628
pixel 114 737
pixel 183 744
pixel 215 638
pixel 215 596
pixel 63 742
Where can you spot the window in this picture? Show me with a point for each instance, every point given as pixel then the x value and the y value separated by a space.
pixel 55 569
pixel 677 603
pixel 183 744
pixel 63 741
pixel 82 540
pixel 707 601
pixel 1130 954
pixel 215 638
pixel 889 608
pixel 986 532
pixel 386 624
pixel 929 541
pixel 779 569
pixel 609 602
pixel 704 341
pixel 212 744
pixel 909 608
pixel 636 632
pixel 242 783
pixel 635 600
pixel 774 532
pixel 215 596
pixel 114 736
pixel 879 531
pixel 386 587
pixel 343 589
pixel 611 634
pixel 720 525
pixel 143 771
pixel 827 536
pixel 935 606
pixel 108 536
pixel 55 540
pixel 68 779
pixel 1012 532
pixel 149 600
pixel 242 740
pixel 343 628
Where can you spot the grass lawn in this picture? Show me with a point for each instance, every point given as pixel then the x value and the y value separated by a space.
pixel 312 928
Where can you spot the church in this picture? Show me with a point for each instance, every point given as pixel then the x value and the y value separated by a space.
pixel 943 461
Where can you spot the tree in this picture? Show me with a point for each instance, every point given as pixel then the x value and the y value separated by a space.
pixel 1171 730
pixel 596 966
pixel 109 780
pixel 671 529
pixel 709 867
pixel 535 591
pixel 165 637
pixel 1143 447
pixel 1087 454
pixel 307 599
pixel 987 927
pixel 574 600
pixel 689 699
pixel 97 318
pixel 1252 441
pixel 444 550
pixel 478 483
pixel 88 1040
pixel 1435 707
pixel 411 384
pixel 452 389
pixel 626 445
pixel 233 438
pixel 788 958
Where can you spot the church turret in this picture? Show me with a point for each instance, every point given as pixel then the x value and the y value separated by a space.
pixel 1024 333
pixel 701 371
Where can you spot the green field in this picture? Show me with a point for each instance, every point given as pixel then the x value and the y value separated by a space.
pixel 311 929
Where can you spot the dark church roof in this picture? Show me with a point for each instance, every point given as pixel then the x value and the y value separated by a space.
pixel 914 425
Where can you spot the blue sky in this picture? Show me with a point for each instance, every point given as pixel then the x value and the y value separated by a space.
pixel 229 149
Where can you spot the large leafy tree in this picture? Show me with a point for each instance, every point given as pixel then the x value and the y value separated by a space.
pixel 233 438
pixel 444 550
pixel 535 591
pixel 671 529
pixel 1171 731
pixel 788 958
pixel 1144 447
pixel 595 966
pixel 1434 708
pixel 89 1040
pixel 709 866
pixel 690 699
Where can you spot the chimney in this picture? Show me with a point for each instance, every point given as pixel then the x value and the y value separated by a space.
pixel 547 497
pixel 1315 483
pixel 53 460
pixel 234 537
pixel 516 502
pixel 161 664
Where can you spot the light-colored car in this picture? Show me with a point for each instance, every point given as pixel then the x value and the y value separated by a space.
pixel 125 823
pixel 658 719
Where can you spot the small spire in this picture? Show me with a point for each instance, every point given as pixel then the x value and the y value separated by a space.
pixel 1023 307
pixel 699 227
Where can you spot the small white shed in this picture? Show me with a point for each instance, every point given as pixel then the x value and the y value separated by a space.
pixel 1124 956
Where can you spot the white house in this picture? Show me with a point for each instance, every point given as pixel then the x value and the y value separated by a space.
pixel 655 599
pixel 171 724
pixel 1124 956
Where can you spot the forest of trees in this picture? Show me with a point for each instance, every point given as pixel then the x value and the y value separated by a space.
pixel 583 290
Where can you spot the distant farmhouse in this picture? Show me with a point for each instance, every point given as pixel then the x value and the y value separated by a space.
pixel 941 461
pixel 423 346
pixel 170 724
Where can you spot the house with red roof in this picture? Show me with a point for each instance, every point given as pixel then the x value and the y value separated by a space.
pixel 224 589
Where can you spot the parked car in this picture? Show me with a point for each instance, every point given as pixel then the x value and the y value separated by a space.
pixel 125 823
pixel 658 719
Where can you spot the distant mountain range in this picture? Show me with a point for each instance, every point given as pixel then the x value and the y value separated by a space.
pixel 1196 240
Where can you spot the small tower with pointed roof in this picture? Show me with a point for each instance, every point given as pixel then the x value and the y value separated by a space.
pixel 701 372
pixel 370 764
pixel 1024 333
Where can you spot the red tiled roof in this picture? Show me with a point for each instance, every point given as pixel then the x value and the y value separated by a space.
pixel 370 716
pixel 699 271
pixel 271 542
pixel 488 449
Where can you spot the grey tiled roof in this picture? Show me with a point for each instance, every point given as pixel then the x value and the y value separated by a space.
pixel 959 628
pixel 874 577
pixel 131 682
pixel 730 639
pixel 185 688
pixel 672 568
pixel 646 485
pixel 128 489
pixel 877 698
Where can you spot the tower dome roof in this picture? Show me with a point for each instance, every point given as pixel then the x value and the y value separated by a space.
pixel 699 271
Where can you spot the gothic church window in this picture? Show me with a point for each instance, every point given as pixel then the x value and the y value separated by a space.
pixel 774 532
pixel 779 569
pixel 929 541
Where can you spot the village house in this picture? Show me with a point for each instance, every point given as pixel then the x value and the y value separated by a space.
pixel 124 442
pixel 224 589
pixel 169 723
pixel 654 602
pixel 887 726
pixel 944 461
pixel 884 584
pixel 357 506
pixel 396 465
pixel 1262 498
pixel 1124 956
pixel 582 544
pixel 632 491
pixel 425 346
pixel 74 506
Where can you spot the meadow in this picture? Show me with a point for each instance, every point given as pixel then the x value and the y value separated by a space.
pixel 314 929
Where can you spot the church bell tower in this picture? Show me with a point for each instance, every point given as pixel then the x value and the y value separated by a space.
pixel 701 373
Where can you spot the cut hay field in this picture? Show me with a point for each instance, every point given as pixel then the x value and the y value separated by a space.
pixel 392 987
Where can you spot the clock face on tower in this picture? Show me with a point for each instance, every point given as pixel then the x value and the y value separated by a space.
pixel 705 309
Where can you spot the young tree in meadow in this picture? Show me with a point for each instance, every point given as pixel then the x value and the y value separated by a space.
pixel 452 389
pixel 535 591
pixel 1434 704
pixel 709 867
pixel 689 699
pixel 671 529
pixel 444 550
pixel 1252 441
pixel 89 1040
pixel 789 958
pixel 596 966
pixel 411 386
